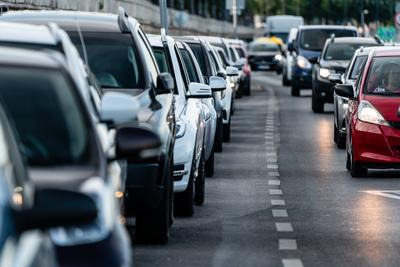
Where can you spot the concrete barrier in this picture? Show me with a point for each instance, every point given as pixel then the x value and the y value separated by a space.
pixel 147 13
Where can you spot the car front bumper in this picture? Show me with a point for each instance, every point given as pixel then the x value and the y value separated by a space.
pixel 323 90
pixel 301 78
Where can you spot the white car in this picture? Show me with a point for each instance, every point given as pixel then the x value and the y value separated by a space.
pixel 288 60
pixel 189 158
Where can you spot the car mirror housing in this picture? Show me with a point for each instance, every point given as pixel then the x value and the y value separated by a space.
pixel 118 108
pixel 335 78
pixel 217 83
pixel 232 71
pixel 221 74
pixel 345 90
pixel 199 90
pixel 165 84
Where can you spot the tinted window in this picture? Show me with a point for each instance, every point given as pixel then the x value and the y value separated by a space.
pixel 223 58
pixel 161 60
pixel 264 47
pixel 241 52
pixel 233 54
pixel 314 39
pixel 113 58
pixel 358 66
pixel 340 51
pixel 46 114
pixel 198 53
pixel 384 76
pixel 191 69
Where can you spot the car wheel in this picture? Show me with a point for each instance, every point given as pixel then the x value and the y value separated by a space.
pixel 339 139
pixel 218 136
pixel 209 166
pixel 184 201
pixel 199 192
pixel 295 90
pixel 153 227
pixel 227 131
pixel 285 80
pixel 357 169
pixel 316 105
pixel 247 92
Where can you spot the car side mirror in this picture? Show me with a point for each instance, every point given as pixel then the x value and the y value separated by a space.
pixel 335 78
pixel 199 90
pixel 217 84
pixel 232 71
pixel 118 108
pixel 165 84
pixel 345 90
pixel 221 74
pixel 313 60
pixel 56 208
pixel 133 143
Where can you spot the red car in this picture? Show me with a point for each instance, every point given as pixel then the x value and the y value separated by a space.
pixel 373 116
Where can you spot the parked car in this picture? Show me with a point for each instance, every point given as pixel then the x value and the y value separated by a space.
pixel 242 65
pixel 195 75
pixel 189 159
pixel 208 69
pixel 308 45
pixel 288 59
pixel 341 103
pixel 118 53
pixel 265 56
pixel 334 59
pixel 372 120
pixel 63 151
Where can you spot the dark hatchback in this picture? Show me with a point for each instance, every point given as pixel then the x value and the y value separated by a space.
pixel 308 45
pixel 117 51
pixel 265 56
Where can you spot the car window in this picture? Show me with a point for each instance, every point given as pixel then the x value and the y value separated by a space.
pixel 233 54
pixel 264 47
pixel 113 58
pixel 214 62
pixel 357 67
pixel 341 51
pixel 182 68
pixel 314 39
pixel 383 76
pixel 198 53
pixel 241 52
pixel 191 69
pixel 161 59
pixel 46 115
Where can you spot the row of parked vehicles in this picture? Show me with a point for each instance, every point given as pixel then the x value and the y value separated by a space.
pixel 106 131
pixel 360 76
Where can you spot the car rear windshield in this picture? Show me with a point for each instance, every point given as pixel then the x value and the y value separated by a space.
pixel 264 47
pixel 113 58
pixel 384 77
pixel 357 67
pixel 314 39
pixel 46 115
pixel 198 53
pixel 342 51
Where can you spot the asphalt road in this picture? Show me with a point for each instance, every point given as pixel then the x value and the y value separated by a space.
pixel 281 196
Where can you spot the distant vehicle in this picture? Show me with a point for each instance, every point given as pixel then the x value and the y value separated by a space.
pixel 265 56
pixel 280 25
pixel 341 103
pixel 334 59
pixel 308 45
pixel 372 118
pixel 288 60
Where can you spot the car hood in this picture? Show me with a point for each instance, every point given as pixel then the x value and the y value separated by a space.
pixel 338 65
pixel 387 106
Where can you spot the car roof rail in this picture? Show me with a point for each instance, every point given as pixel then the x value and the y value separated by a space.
pixel 123 20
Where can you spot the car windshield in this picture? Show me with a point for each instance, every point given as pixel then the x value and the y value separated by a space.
pixel 358 66
pixel 314 39
pixel 264 47
pixel 198 53
pixel 341 51
pixel 46 115
pixel 113 58
pixel 384 77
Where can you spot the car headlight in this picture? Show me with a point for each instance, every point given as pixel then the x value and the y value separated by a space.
pixel 368 113
pixel 180 128
pixel 324 73
pixel 303 63
pixel 278 57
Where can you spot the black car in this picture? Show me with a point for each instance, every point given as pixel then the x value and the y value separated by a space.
pixel 265 56
pixel 334 59
pixel 120 56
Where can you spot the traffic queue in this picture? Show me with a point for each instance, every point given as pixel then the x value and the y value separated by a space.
pixel 107 133
pixel 360 76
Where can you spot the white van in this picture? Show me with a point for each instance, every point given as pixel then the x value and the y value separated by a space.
pixel 281 25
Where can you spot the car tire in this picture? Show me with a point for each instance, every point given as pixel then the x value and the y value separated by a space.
pixel 218 136
pixel 339 139
pixel 153 227
pixel 184 201
pixel 316 105
pixel 285 80
pixel 356 168
pixel 295 90
pixel 247 92
pixel 227 131
pixel 200 183
pixel 209 166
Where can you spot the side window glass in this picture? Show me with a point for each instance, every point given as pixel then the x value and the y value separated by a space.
pixel 148 56
pixel 190 66
pixel 359 78
pixel 182 68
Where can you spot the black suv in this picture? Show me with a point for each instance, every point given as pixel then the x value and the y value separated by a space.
pixel 120 56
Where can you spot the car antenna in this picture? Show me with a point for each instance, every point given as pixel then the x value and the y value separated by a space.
pixel 85 57
pixel 332 38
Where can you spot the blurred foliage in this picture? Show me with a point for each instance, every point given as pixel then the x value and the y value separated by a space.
pixel 328 11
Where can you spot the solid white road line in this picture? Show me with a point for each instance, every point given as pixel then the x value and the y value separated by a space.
pixel 394 194
pixel 274 182
pixel 284 227
pixel 292 263
pixel 275 192
pixel 278 202
pixel 287 244
pixel 281 213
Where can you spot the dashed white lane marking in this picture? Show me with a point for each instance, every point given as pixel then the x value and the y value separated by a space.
pixel 292 263
pixel 269 143
pixel 272 166
pixel 284 227
pixel 274 182
pixel 272 160
pixel 287 244
pixel 394 194
pixel 281 213
pixel 272 154
pixel 273 174
pixel 275 192
pixel 278 202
